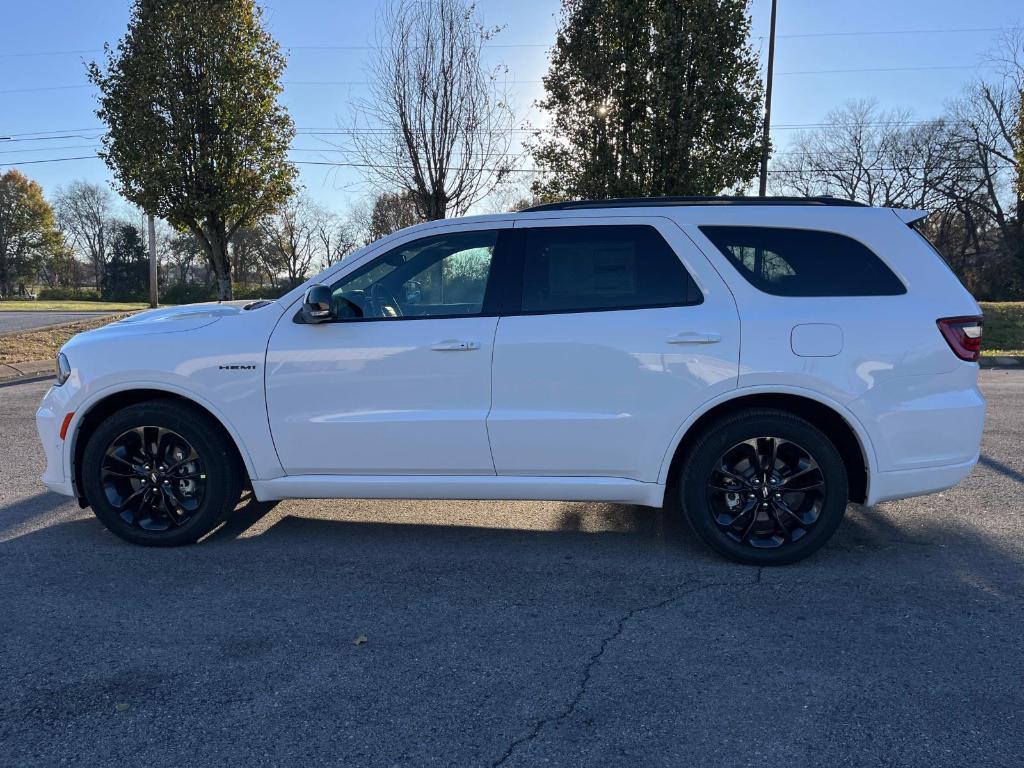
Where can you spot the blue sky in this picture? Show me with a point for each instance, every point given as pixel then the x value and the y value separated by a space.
pixel 43 44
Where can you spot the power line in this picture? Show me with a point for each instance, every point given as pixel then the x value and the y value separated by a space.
pixel 335 83
pixel 791 36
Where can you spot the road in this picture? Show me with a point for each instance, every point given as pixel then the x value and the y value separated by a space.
pixel 516 634
pixel 13 322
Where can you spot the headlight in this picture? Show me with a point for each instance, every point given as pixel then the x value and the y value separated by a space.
pixel 63 369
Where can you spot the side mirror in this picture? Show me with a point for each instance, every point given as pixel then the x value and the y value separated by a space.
pixel 316 305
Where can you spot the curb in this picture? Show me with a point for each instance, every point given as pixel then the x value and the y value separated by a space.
pixel 1007 362
pixel 30 370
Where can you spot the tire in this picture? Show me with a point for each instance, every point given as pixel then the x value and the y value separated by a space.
pixel 144 505
pixel 781 464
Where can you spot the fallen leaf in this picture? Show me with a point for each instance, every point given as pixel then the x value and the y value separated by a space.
pixel 361 640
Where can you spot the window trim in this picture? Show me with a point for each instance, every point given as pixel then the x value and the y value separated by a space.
pixel 817 230
pixel 512 300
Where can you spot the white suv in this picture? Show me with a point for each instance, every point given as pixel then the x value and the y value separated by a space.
pixel 759 362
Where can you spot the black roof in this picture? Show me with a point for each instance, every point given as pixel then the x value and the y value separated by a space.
pixel 652 202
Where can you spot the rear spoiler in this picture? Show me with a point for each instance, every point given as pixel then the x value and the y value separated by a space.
pixel 909 216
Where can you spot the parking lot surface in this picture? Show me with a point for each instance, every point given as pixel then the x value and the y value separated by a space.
pixel 462 633
pixel 14 322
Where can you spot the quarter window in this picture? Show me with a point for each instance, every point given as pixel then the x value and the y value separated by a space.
pixel 441 276
pixel 804 262
pixel 573 269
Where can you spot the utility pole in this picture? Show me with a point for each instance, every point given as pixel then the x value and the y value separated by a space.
pixel 768 105
pixel 153 286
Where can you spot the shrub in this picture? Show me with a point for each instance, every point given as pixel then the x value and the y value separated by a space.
pixel 69 294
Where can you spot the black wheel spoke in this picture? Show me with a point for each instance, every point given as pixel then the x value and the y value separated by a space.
pixel 741 481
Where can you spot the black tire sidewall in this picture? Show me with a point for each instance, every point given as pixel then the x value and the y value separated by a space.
pixel 722 436
pixel 223 483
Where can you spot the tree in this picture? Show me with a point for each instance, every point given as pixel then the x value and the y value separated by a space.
pixel 127 271
pixel 437 124
pixel 654 98
pixel 195 134
pixel 84 213
pixel 1020 149
pixel 27 232
pixel 335 237
pixel 290 239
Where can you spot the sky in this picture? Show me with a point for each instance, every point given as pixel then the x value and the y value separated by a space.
pixel 905 54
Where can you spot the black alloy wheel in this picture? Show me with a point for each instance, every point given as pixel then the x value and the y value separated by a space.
pixel 766 492
pixel 153 477
pixel 763 486
pixel 161 473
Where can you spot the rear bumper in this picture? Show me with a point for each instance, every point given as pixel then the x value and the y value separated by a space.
pixel 902 484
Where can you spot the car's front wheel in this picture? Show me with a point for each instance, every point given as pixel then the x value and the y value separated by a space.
pixel 160 473
pixel 764 487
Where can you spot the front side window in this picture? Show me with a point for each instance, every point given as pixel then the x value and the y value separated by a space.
pixel 588 268
pixel 440 276
pixel 804 262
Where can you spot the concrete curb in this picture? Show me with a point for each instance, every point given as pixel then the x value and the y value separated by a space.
pixel 1002 361
pixel 34 369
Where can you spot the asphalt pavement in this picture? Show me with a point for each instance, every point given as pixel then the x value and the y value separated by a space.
pixel 17 321
pixel 522 634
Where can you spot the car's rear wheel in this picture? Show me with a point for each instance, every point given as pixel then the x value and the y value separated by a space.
pixel 160 473
pixel 764 487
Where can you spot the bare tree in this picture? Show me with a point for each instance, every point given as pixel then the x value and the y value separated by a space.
pixel 290 239
pixel 335 237
pixel 84 212
pixel 436 123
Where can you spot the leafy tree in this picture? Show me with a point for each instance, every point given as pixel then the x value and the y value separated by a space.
pixel 655 98
pixel 126 276
pixel 27 232
pixel 195 134
pixel 390 213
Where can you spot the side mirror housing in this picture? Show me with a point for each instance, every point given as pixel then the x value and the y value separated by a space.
pixel 316 305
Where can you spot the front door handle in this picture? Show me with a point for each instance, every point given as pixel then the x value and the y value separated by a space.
pixel 694 337
pixel 456 345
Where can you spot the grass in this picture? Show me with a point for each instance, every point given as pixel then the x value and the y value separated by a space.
pixel 1004 328
pixel 43 344
pixel 70 306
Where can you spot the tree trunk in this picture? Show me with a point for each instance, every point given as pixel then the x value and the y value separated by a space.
pixel 216 234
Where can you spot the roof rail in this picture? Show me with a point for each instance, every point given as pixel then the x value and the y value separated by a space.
pixel 654 202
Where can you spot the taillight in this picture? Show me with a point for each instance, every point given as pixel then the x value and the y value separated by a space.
pixel 963 335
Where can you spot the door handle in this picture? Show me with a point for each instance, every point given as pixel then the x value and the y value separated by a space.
pixel 456 345
pixel 694 337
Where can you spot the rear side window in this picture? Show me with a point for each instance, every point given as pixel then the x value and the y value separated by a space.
pixel 576 269
pixel 804 262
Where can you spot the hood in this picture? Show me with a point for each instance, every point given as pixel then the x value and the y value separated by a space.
pixel 183 318
pixel 187 317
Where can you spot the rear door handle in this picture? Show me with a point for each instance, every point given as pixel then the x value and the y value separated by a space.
pixel 456 345
pixel 694 337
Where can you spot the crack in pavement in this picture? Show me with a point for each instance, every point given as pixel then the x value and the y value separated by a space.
pixel 592 662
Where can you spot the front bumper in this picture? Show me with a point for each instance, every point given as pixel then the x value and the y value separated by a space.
pixel 57 475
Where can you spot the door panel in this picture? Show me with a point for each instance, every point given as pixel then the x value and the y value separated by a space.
pixel 378 398
pixel 602 393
